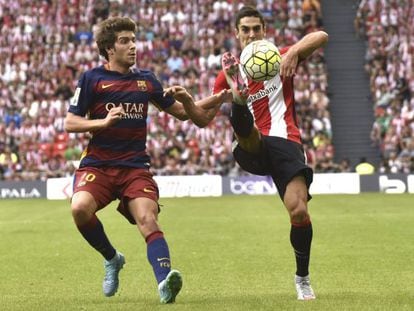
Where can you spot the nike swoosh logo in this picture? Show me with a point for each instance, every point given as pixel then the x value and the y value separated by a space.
pixel 163 258
pixel 104 86
pixel 147 190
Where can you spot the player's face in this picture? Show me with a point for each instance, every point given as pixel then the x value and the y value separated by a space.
pixel 250 29
pixel 124 51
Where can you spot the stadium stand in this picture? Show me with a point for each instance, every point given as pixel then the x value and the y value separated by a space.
pixel 45 45
pixel 387 27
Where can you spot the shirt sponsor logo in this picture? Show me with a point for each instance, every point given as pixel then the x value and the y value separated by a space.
pixel 261 93
pixel 132 110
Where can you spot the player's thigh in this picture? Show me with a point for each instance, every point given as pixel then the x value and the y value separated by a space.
pixel 296 195
pixel 253 163
pixel 252 143
pixel 139 196
pixel 287 161
pixel 92 187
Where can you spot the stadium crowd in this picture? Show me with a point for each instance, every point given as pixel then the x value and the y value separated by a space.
pixel 388 28
pixel 46 45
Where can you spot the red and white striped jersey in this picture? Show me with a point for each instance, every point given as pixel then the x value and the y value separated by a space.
pixel 271 103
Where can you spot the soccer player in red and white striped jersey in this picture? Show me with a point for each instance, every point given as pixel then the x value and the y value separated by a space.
pixel 267 136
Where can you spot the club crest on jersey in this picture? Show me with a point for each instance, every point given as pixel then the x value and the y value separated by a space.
pixel 142 85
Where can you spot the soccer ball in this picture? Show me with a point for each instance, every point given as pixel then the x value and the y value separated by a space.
pixel 260 60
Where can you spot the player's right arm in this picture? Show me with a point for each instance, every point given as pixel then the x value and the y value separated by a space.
pixel 76 119
pixel 79 124
pixel 300 51
pixel 200 112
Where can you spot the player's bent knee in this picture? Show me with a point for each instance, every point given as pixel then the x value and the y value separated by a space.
pixel 147 223
pixel 252 143
pixel 299 215
pixel 81 211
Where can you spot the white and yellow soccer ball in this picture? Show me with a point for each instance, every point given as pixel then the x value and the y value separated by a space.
pixel 260 60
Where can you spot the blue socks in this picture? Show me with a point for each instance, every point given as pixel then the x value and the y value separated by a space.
pixel 94 233
pixel 157 249
pixel 158 255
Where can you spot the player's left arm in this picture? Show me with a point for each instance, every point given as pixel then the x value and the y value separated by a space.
pixel 200 112
pixel 300 51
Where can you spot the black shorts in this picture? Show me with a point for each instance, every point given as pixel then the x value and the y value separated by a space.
pixel 280 158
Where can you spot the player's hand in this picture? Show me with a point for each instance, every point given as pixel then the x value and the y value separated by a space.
pixel 225 96
pixel 179 93
pixel 289 64
pixel 114 115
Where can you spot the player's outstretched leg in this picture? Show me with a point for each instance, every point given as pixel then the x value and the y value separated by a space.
pixel 170 287
pixel 304 288
pixel 230 65
pixel 241 119
pixel 111 279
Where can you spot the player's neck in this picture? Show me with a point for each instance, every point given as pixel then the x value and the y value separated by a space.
pixel 116 67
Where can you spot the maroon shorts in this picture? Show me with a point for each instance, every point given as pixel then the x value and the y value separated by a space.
pixel 106 184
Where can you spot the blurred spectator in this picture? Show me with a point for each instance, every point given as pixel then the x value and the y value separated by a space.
pixel 388 29
pixel 72 152
pixel 344 166
pixel 175 62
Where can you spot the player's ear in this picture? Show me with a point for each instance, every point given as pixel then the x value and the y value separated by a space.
pixel 236 33
pixel 110 51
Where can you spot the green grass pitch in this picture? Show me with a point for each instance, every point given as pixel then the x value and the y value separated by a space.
pixel 233 251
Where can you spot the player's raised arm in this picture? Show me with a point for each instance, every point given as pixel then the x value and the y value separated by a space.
pixel 200 112
pixel 300 51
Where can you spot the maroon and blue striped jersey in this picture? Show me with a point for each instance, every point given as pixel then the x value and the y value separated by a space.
pixel 124 143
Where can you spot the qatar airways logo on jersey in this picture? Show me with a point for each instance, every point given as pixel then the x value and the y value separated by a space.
pixel 262 93
pixel 132 110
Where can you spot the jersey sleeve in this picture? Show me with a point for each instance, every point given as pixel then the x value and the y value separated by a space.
pixel 284 49
pixel 220 83
pixel 157 94
pixel 83 96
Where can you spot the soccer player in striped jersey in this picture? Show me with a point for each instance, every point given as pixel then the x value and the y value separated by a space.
pixel 268 140
pixel 111 102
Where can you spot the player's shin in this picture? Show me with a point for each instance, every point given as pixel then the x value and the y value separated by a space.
pixel 94 233
pixel 241 120
pixel 158 255
pixel 301 239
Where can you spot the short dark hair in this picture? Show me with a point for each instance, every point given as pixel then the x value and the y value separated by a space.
pixel 248 11
pixel 107 32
